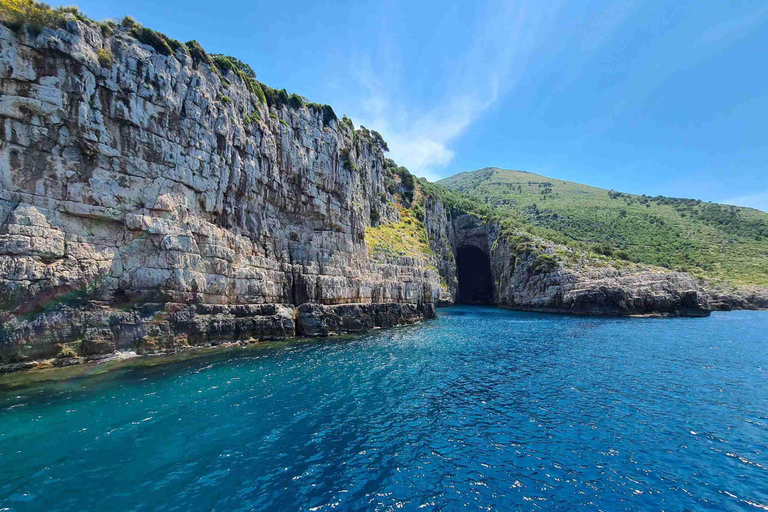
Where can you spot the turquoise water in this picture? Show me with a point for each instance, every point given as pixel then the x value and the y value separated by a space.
pixel 481 409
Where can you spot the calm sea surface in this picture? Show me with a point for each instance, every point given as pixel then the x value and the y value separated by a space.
pixel 481 409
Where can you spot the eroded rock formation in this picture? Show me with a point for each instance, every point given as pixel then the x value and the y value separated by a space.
pixel 150 203
pixel 545 277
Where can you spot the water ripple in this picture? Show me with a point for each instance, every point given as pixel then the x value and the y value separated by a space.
pixel 482 409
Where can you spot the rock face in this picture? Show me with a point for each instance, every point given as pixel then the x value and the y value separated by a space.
pixel 533 282
pixel 149 203
pixel 320 320
pixel 541 277
pixel 724 300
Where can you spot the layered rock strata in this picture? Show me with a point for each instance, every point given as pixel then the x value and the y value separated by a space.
pixel 151 202
pixel 728 300
pixel 545 277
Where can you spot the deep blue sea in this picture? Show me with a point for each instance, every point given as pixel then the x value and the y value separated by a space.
pixel 480 409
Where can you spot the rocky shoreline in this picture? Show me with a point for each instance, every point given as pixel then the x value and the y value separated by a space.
pixel 162 329
pixel 169 329
pixel 721 300
pixel 152 202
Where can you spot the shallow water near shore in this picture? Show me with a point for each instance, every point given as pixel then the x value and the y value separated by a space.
pixel 479 409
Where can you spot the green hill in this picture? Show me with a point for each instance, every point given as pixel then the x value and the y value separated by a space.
pixel 719 242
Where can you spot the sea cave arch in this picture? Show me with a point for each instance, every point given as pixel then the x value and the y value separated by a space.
pixel 473 267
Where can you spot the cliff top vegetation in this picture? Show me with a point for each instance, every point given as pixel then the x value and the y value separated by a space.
pixel 37 15
pixel 723 243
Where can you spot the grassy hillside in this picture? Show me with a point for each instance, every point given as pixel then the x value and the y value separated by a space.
pixel 405 238
pixel 719 242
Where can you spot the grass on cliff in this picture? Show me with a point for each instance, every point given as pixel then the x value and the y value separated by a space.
pixel 718 242
pixel 38 15
pixel 405 238
pixel 14 13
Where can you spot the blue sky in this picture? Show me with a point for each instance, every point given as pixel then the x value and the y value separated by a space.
pixel 654 97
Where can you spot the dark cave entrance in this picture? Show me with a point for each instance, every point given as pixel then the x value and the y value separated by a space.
pixel 475 281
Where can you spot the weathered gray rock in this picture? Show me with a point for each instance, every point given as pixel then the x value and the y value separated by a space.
pixel 540 284
pixel 540 277
pixel 727 300
pixel 152 205
pixel 320 320
pixel 139 209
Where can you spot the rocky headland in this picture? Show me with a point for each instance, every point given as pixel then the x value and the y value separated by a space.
pixel 153 199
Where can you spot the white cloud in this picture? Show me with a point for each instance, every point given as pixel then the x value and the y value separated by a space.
pixel 421 140
pixel 758 200
pixel 507 43
pixel 498 50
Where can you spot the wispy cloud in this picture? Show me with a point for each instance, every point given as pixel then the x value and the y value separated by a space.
pixel 420 140
pixel 508 43
pixel 758 200
pixel 497 52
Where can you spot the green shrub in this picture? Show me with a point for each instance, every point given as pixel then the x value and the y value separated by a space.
pixel 407 184
pixel 543 263
pixel 105 57
pixel 375 215
pixel 15 13
pixel 128 22
pixel 328 113
pixel 253 117
pixel 107 28
pixel 197 52
pixel 378 139
pixel 274 97
pixel 227 63
pixel 282 97
pixel 270 95
pixel 622 255
pixel 406 178
pixel 346 121
pixel 347 161
pixel 604 249
pixel 418 212
pixel 256 89
pixel 160 42
pixel 295 101
pixel 225 99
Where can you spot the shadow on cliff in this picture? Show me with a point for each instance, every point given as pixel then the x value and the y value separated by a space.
pixel 474 273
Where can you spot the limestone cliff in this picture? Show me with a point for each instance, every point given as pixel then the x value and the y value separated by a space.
pixel 532 274
pixel 721 299
pixel 152 201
